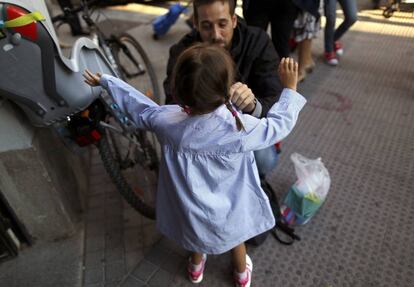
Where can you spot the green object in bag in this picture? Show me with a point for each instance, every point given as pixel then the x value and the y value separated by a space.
pixel 303 206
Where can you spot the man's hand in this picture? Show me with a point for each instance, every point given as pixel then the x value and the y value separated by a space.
pixel 92 79
pixel 288 72
pixel 242 97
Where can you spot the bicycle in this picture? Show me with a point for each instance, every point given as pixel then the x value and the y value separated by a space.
pixel 125 151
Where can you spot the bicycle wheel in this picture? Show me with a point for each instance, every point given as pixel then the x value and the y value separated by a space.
pixel 132 167
pixel 136 67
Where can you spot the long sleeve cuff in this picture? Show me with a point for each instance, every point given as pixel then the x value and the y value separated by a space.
pixel 291 97
pixel 104 81
pixel 257 112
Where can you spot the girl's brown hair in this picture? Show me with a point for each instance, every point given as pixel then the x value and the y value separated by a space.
pixel 202 78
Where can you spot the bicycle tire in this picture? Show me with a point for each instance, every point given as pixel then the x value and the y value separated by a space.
pixel 147 82
pixel 122 180
pixel 139 82
pixel 133 167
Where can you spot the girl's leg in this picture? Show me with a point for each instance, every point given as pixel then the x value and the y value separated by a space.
pixel 239 258
pixel 196 267
pixel 330 14
pixel 350 13
pixel 196 258
pixel 243 266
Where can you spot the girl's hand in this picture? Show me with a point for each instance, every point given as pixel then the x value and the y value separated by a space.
pixel 92 79
pixel 288 72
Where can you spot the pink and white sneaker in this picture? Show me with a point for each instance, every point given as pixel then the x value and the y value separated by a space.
pixel 248 280
pixel 196 276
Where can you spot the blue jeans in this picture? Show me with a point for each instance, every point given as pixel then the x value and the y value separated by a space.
pixel 266 160
pixel 350 13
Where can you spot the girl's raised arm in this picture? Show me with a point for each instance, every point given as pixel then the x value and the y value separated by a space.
pixel 136 105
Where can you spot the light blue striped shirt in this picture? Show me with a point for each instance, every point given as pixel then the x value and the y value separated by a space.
pixel 209 197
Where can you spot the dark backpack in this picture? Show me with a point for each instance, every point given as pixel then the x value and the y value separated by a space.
pixel 282 231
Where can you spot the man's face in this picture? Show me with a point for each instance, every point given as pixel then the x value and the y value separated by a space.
pixel 215 24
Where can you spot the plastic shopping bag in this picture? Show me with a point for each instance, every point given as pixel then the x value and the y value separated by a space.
pixel 308 193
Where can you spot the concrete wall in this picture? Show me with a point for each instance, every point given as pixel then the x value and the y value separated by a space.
pixel 41 179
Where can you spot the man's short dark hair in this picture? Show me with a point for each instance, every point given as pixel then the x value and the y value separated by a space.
pixel 198 3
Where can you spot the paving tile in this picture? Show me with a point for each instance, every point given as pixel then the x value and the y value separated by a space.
pixel 132 218
pixel 114 254
pixel 114 213
pixel 133 238
pixel 171 246
pixel 112 283
pixel 115 271
pixel 114 240
pixel 144 270
pixel 161 278
pixel 156 255
pixel 94 259
pixel 96 201
pixel 93 275
pixel 172 262
pixel 8 281
pixel 94 243
pixel 151 234
pixel 95 214
pixel 95 229
pixel 100 190
pixel 132 258
pixel 132 282
pixel 113 225
pixel 98 179
pixel 97 170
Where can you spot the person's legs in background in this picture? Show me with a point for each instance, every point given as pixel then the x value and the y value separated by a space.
pixel 266 160
pixel 330 14
pixel 283 14
pixel 350 17
pixel 305 28
pixel 256 13
pixel 305 61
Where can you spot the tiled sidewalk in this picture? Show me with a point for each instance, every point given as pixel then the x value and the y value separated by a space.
pixel 116 236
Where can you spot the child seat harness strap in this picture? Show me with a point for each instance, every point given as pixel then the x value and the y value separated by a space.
pixel 23 20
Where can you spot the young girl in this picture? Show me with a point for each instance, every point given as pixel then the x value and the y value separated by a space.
pixel 209 198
